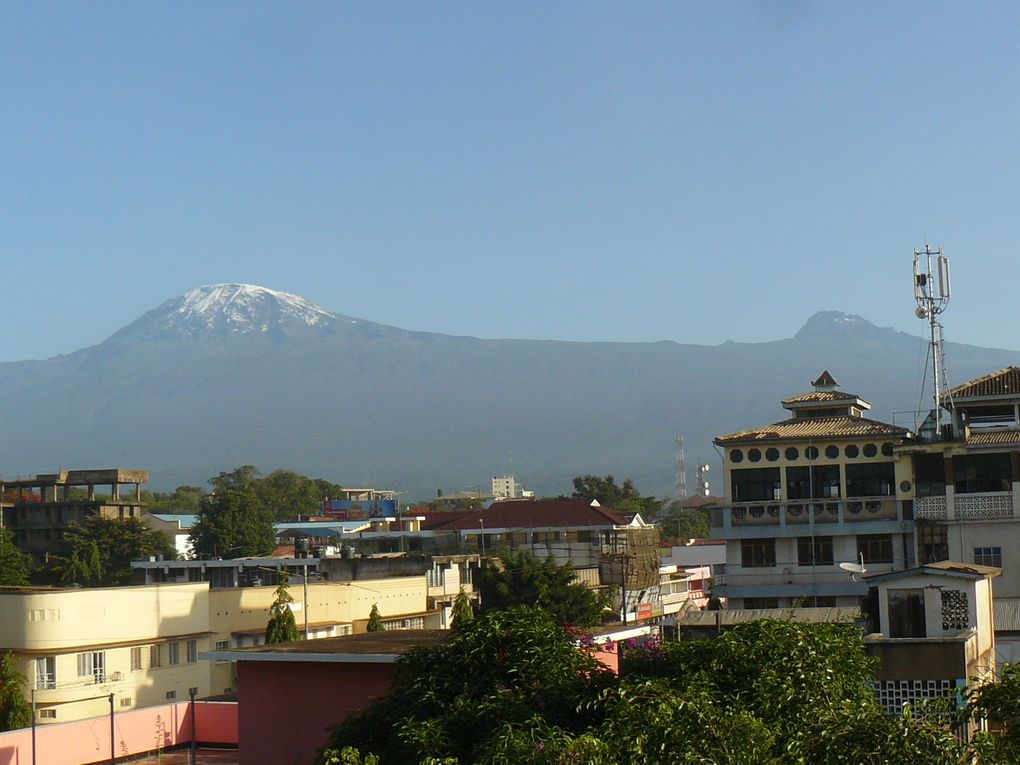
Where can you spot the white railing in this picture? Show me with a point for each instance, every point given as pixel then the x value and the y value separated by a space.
pixel 930 508
pixel 966 507
pixel 993 504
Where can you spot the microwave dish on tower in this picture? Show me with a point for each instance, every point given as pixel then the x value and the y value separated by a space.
pixel 931 294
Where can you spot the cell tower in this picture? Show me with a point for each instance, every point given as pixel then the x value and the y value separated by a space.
pixel 680 491
pixel 929 305
pixel 704 489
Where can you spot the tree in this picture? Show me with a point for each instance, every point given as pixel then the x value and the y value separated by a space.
pixel 510 686
pixel 282 628
pixel 461 611
pixel 375 623
pixel 521 578
pixel 999 703
pixel 233 523
pixel 677 522
pixel 625 498
pixel 14 710
pixel 182 500
pixel 456 699
pixel 287 494
pixel 15 565
pixel 101 549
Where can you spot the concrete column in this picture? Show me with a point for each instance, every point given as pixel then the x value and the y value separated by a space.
pixel 92 492
pixel 138 492
pixel 950 488
pixel 115 491
pixel 1014 478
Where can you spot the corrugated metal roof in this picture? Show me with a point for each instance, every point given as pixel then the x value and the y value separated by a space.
pixel 1007 614
pixel 1001 383
pixel 821 427
pixel 728 618
pixel 526 513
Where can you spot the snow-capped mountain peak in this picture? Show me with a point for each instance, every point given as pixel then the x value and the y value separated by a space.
pixel 235 309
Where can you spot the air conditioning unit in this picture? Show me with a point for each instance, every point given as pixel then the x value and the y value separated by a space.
pixel 116 677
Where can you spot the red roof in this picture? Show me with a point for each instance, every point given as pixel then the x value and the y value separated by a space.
pixel 526 513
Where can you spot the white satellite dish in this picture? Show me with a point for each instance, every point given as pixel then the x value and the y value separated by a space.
pixel 854 568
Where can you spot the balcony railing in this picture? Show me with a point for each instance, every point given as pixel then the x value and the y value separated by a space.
pixel 966 507
pixel 861 509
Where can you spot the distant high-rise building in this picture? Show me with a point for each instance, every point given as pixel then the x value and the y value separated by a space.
pixel 507 487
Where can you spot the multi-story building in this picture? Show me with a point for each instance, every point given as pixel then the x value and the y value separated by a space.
pixel 37 510
pixel 964 479
pixel 806 494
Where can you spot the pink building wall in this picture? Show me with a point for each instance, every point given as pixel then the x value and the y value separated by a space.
pixel 286 709
pixel 135 732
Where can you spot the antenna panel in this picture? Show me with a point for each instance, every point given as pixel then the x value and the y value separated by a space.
pixel 943 268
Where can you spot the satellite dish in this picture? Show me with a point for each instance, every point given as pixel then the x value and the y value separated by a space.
pixel 854 568
pixel 921 312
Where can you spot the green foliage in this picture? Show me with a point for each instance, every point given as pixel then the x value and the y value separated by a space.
pixel 233 523
pixel 510 687
pixel 375 623
pixel 521 578
pixel 999 704
pixel 625 498
pixel 15 565
pixel 101 550
pixel 15 711
pixel 182 500
pixel 678 523
pixel 282 627
pixel 461 611
pixel 285 494
pixel 513 668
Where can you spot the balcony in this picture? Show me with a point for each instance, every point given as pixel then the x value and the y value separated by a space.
pixel 979 506
pixel 859 515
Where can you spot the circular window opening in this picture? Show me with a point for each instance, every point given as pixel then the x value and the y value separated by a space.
pixel 887 450
pixel 851 451
pixel 754 455
pixel 811 452
pixel 792 452
pixel 905 486
pixel 870 450
pixel 831 451
pixel 772 454
pixel 736 456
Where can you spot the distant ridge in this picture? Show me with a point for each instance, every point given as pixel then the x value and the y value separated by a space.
pixel 232 374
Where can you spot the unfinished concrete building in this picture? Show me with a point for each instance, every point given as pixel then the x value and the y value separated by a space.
pixel 37 510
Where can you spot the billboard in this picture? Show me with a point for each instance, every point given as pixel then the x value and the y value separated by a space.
pixel 359 509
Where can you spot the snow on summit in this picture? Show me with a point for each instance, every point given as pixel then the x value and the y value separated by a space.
pixel 219 309
pixel 246 306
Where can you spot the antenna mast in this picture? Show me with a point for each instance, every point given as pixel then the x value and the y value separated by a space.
pixel 931 303
pixel 680 491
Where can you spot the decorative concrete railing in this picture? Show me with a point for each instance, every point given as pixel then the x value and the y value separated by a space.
pixel 857 509
pixel 966 507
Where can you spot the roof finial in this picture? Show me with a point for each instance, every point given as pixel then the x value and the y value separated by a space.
pixel 825 382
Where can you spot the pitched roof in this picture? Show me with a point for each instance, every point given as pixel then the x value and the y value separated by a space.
pixel 821 427
pixel 825 380
pixel 993 437
pixel 819 395
pixel 1004 382
pixel 526 513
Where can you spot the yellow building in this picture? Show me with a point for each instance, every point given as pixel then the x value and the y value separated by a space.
pixel 77 646
pixel 141 643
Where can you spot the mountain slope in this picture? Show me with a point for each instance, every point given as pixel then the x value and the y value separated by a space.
pixel 234 374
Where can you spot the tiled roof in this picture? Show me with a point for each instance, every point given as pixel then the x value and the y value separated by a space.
pixel 1002 383
pixel 821 427
pixel 526 513
pixel 819 395
pixel 993 437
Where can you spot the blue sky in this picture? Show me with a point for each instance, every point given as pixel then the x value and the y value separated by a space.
pixel 592 171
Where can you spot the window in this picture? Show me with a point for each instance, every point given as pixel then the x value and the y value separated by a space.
pixel 792 453
pixel 154 658
pixel 816 482
pixel 171 695
pixel 876 548
pixel 870 479
pixel 736 456
pixel 988 556
pixel 981 472
pixel 851 451
pixel 757 553
pixel 832 451
pixel 754 455
pixel 46 673
pixel 47 714
pixel 222 645
pixel 761 602
pixel 932 542
pixel 136 658
pixel 870 450
pixel 193 691
pixel 125 702
pixel 92 664
pixel 814 551
pixel 192 651
pixel 755 485
pixel 174 653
